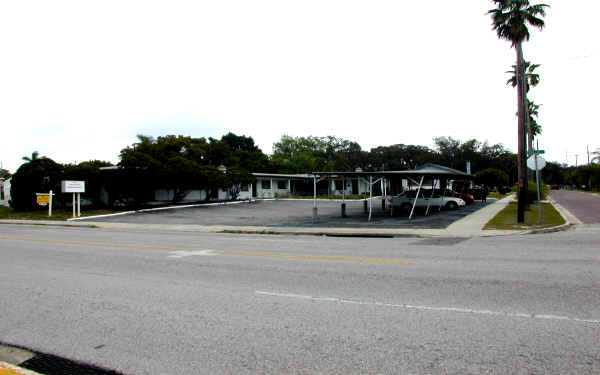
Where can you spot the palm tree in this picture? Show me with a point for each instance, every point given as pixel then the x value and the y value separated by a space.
pixel 34 156
pixel 511 19
pixel 532 79
pixel 534 126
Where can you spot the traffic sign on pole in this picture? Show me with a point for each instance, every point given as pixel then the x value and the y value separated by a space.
pixel 531 162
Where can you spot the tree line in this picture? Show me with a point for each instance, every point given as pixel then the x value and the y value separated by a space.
pixel 181 163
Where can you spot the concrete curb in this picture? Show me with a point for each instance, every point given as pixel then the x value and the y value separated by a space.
pixel 54 223
pixel 558 228
pixel 296 231
pixel 564 213
pixel 158 209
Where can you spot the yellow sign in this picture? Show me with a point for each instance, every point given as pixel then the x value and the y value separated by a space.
pixel 43 200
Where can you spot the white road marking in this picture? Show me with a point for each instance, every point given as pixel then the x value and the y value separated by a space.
pixel 181 254
pixel 429 308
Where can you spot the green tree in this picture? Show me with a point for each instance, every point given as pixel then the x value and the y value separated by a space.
pixel 88 171
pixel 4 174
pixel 532 78
pixel 37 176
pixel 510 20
pixel 34 156
pixel 596 158
pixel 492 178
pixel 400 157
pixel 310 154
pixel 181 164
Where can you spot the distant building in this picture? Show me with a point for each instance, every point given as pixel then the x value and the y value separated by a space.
pixel 4 191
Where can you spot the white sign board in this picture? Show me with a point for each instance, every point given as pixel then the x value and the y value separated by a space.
pixel 541 163
pixel 72 186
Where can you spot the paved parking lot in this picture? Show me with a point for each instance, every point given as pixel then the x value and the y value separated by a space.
pixel 296 213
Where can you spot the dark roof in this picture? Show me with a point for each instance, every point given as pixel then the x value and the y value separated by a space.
pixel 423 170
pixel 438 170
pixel 285 176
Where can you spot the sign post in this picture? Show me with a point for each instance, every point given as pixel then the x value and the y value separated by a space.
pixel 75 187
pixel 536 163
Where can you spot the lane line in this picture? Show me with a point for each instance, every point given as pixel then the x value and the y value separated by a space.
pixel 99 244
pixel 179 253
pixel 316 257
pixel 428 308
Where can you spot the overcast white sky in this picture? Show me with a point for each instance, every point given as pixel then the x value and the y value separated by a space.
pixel 79 79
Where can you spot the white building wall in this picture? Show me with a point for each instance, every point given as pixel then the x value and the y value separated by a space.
pixel 274 191
pixel 5 186
pixel 347 189
pixel 164 195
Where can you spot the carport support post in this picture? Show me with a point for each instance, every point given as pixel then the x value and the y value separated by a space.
pixel 370 196
pixel 416 198
pixel 384 194
pixel 443 193
pixel 430 198
pixel 314 215
pixel 344 196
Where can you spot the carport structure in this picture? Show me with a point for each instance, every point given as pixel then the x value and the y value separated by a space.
pixel 416 176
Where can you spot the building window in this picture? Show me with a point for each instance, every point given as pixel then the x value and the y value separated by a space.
pixel 282 185
pixel 244 187
pixel 265 184
pixel 339 185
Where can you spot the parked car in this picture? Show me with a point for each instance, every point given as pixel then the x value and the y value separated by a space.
pixel 468 198
pixel 406 200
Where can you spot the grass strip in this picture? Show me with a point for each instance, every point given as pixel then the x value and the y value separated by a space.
pixel 507 218
pixel 7 213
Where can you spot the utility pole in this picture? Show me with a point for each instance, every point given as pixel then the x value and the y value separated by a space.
pixel 588 152
pixel 576 158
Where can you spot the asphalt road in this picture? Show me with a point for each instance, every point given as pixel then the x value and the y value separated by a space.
pixel 584 206
pixel 185 303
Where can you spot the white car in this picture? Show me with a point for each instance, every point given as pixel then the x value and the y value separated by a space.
pixel 406 200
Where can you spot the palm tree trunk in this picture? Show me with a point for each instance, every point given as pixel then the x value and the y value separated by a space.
pixel 522 142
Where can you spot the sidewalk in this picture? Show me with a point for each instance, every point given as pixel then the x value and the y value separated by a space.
pixel 472 225
pixel 469 226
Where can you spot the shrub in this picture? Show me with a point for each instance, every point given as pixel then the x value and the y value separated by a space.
pixel 37 176
pixel 532 191
pixel 492 177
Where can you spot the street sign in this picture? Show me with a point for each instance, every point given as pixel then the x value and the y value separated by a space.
pixel 541 163
pixel 540 152
pixel 42 199
pixel 45 199
pixel 72 186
